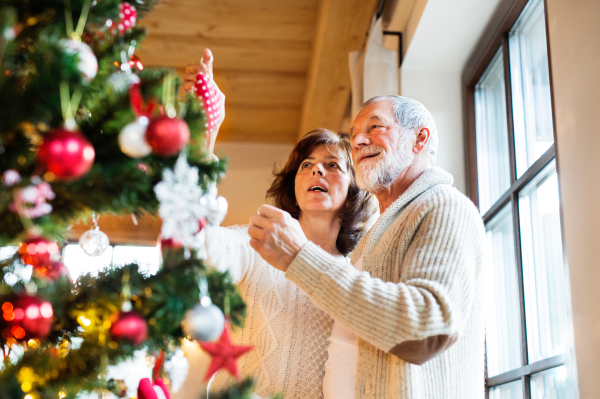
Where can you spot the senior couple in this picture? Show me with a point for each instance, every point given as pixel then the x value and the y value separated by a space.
pixel 338 310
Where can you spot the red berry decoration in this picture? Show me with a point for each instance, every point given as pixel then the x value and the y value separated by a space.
pixel 212 98
pixel 130 327
pixel 38 251
pixel 67 154
pixel 167 136
pixel 26 317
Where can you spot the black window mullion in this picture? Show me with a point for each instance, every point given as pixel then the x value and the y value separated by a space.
pixel 518 254
pixel 509 109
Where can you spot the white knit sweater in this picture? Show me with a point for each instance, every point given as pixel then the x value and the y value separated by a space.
pixel 288 330
pixel 421 291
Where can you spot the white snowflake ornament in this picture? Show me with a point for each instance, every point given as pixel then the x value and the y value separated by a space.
pixel 180 206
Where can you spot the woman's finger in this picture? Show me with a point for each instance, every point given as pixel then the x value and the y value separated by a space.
pixel 256 232
pixel 259 221
pixel 193 68
pixel 268 211
pixel 207 60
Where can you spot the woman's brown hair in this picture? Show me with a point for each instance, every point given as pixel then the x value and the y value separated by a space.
pixel 359 205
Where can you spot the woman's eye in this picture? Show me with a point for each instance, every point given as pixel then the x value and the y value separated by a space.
pixel 305 165
pixel 333 165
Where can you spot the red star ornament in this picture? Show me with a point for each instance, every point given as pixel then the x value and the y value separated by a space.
pixel 224 354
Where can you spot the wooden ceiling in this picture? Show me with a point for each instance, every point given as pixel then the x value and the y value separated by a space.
pixel 282 64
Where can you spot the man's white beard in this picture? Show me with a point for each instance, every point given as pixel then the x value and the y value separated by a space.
pixel 376 174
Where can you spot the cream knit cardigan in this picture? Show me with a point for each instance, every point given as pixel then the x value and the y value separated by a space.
pixel 288 330
pixel 421 288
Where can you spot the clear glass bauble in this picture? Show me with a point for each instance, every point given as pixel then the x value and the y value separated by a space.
pixel 94 242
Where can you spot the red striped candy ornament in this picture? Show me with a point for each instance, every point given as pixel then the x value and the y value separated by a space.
pixel 212 99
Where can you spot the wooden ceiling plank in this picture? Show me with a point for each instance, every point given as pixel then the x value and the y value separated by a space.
pixel 263 124
pixel 242 55
pixel 274 20
pixel 342 27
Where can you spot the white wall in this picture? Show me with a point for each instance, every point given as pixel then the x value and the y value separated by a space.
pixel 249 175
pixel 431 71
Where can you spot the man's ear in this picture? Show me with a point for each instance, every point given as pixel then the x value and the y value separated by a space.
pixel 422 138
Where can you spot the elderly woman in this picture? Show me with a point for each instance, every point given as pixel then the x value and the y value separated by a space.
pixel 288 330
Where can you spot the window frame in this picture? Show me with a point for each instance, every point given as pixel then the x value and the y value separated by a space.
pixel 495 38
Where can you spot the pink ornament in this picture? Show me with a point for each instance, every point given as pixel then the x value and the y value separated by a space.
pixel 26 317
pixel 127 18
pixel 31 200
pixel 53 271
pixel 213 100
pixel 167 136
pixel 129 326
pixel 67 154
pixel 10 178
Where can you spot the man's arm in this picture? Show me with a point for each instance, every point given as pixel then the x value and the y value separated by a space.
pixel 419 317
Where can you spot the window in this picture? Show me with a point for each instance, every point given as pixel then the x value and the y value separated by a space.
pixel 514 181
pixel 79 263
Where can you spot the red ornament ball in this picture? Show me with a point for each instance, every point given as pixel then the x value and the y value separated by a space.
pixel 167 136
pixel 38 251
pixel 67 154
pixel 26 317
pixel 129 326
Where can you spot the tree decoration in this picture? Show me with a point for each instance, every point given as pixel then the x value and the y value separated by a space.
pixel 52 271
pixel 132 139
pixel 94 242
pixel 153 390
pixel 38 251
pixel 177 367
pixel 129 326
pixel 66 153
pixel 224 354
pixel 180 208
pixel 30 201
pixel 10 177
pixel 25 317
pixel 167 135
pixel 88 63
pixel 127 18
pixel 212 100
pixel 206 321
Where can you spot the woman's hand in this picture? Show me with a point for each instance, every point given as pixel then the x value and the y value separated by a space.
pixel 276 236
pixel 189 82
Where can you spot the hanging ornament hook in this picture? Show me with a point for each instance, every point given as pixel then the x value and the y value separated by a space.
pixel 85 10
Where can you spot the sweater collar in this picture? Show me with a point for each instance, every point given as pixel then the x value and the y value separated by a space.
pixel 431 177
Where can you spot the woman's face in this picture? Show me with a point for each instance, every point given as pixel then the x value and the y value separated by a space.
pixel 322 181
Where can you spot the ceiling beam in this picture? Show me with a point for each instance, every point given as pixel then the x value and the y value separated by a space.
pixel 342 26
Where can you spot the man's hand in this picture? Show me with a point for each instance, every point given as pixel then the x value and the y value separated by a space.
pixel 189 82
pixel 276 236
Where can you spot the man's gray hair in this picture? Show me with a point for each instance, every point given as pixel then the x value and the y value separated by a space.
pixel 411 114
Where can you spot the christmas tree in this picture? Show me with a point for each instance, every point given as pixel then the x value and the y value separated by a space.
pixel 86 130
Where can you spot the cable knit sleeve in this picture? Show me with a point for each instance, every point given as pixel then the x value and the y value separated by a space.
pixel 435 251
pixel 229 249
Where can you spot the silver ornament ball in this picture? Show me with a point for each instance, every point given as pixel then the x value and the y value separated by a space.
pixel 94 242
pixel 132 139
pixel 205 322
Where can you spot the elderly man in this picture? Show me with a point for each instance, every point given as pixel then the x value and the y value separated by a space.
pixel 417 308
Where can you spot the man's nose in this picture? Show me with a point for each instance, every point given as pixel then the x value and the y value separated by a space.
pixel 360 139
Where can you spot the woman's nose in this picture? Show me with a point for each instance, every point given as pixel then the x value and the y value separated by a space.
pixel 318 170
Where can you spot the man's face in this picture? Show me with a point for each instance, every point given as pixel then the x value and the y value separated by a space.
pixel 380 149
